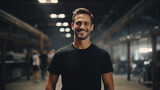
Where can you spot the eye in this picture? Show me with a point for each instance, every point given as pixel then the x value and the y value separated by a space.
pixel 86 23
pixel 78 23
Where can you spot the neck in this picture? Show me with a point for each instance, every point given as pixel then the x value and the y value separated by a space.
pixel 82 44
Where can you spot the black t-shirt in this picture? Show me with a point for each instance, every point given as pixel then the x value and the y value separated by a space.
pixel 81 69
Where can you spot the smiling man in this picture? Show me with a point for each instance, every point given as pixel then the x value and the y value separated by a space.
pixel 81 64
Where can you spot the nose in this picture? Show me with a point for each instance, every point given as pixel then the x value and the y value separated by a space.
pixel 82 26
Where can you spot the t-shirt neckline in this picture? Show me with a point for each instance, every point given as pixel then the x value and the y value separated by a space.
pixel 82 49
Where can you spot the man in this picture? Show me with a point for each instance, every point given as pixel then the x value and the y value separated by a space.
pixel 43 65
pixel 81 64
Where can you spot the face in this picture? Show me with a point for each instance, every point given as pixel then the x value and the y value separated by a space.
pixel 44 52
pixel 82 26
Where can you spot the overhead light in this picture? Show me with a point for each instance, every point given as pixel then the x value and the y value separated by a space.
pixel 145 50
pixel 42 1
pixel 58 24
pixel 54 1
pixel 48 1
pixel 57 15
pixel 61 16
pixel 67 29
pixel 62 24
pixel 65 24
pixel 53 16
pixel 61 29
pixel 68 35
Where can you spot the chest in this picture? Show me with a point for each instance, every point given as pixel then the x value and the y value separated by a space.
pixel 78 63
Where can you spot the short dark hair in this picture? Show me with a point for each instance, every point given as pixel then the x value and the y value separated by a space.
pixel 82 11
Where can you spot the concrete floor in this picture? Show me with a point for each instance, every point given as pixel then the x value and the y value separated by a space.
pixel 120 82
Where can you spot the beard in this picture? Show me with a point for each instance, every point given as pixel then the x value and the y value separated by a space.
pixel 82 38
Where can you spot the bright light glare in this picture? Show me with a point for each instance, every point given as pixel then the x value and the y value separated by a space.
pixel 134 65
pixel 145 50
pixel 42 1
pixel 61 29
pixel 53 16
pixel 128 37
pixel 146 62
pixel 67 29
pixel 65 24
pixel 48 1
pixel 68 35
pixel 62 24
pixel 57 15
pixel 61 16
pixel 54 1
pixel 58 24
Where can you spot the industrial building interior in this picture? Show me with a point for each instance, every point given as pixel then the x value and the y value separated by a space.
pixel 128 29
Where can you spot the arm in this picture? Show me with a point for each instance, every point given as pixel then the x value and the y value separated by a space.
pixel 51 83
pixel 108 81
pixel 37 62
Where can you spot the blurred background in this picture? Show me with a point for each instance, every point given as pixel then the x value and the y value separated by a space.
pixel 128 29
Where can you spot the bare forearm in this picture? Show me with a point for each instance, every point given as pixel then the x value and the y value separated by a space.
pixel 51 83
pixel 108 87
pixel 108 81
pixel 50 87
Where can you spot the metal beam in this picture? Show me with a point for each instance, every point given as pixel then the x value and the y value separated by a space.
pixel 6 17
pixel 136 11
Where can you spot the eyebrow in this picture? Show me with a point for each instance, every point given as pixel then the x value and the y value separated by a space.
pixel 81 21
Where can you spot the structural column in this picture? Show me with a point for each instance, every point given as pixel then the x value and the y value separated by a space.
pixel 3 65
pixel 42 44
pixel 128 61
pixel 28 62
pixel 154 56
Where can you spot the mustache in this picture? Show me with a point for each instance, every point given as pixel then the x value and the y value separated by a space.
pixel 78 30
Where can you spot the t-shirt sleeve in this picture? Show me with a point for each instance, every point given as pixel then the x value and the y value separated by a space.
pixel 54 66
pixel 107 64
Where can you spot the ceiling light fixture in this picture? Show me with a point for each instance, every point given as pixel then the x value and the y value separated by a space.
pixel 67 29
pixel 57 15
pixel 61 16
pixel 65 24
pixel 53 16
pixel 68 35
pixel 58 24
pixel 48 1
pixel 54 1
pixel 61 29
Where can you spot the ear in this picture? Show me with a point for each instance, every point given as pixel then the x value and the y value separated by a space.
pixel 92 27
pixel 72 26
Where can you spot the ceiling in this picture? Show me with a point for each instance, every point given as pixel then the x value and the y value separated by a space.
pixel 106 13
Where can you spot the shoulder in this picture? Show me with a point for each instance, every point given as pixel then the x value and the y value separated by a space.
pixel 65 49
pixel 61 53
pixel 99 50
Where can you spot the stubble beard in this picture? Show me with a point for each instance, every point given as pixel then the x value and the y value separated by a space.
pixel 82 38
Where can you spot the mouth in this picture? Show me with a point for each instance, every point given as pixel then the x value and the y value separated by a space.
pixel 82 31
